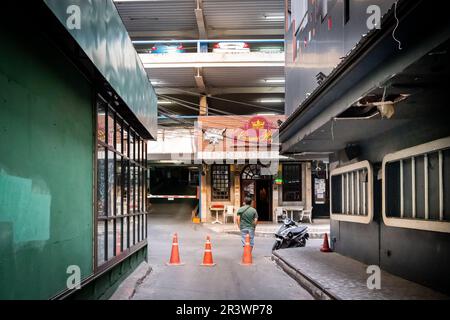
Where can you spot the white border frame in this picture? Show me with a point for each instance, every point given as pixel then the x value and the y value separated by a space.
pixel 367 219
pixel 436 226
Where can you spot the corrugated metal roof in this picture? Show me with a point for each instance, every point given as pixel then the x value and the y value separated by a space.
pixel 173 77
pixel 221 16
pixel 175 19
pixel 165 15
pixel 243 14
pixel 234 77
pixel 217 77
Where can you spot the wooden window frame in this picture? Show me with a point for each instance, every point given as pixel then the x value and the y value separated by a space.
pixel 213 197
pixel 300 186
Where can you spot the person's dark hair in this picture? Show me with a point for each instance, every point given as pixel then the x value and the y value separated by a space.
pixel 248 201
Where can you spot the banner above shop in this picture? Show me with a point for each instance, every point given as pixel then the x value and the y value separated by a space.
pixel 98 29
pixel 257 129
pixel 238 137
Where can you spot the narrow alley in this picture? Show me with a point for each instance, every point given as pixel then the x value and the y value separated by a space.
pixel 284 150
pixel 227 280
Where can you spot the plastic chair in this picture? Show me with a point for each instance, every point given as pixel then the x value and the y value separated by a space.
pixel 279 212
pixel 229 212
pixel 307 213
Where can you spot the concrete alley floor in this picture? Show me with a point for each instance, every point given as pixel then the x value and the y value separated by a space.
pixel 227 280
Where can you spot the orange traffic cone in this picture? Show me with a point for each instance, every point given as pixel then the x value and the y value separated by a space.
pixel 175 254
pixel 207 257
pixel 325 247
pixel 247 259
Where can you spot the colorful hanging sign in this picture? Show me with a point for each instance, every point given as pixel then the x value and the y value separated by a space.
pixel 257 129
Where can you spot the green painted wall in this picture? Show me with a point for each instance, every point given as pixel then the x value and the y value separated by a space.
pixel 106 42
pixel 104 287
pixel 46 141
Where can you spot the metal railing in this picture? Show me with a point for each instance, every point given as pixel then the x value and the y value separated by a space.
pixel 205 46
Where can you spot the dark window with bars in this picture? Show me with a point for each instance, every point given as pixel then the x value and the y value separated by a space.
pixel 121 185
pixel 418 187
pixel 350 193
pixel 292 182
pixel 220 181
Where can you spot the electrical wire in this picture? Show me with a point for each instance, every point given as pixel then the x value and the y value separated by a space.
pixel 185 103
pixel 396 26
pixel 170 115
pixel 217 111
pixel 228 114
pixel 228 100
pixel 179 103
pixel 332 128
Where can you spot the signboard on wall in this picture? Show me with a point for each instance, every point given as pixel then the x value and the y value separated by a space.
pixel 320 191
pixel 243 137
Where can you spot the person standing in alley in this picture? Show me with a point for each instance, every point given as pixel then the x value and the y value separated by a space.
pixel 247 218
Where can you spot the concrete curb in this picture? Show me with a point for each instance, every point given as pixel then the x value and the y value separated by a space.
pixel 314 235
pixel 128 287
pixel 307 283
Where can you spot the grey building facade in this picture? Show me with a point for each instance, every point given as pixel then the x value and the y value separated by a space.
pixel 374 100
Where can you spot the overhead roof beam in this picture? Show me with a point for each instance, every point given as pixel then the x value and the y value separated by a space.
pixel 225 90
pixel 200 81
pixel 211 41
pixel 193 60
pixel 219 34
pixel 201 23
pixel 213 65
pixel 216 33
pixel 183 34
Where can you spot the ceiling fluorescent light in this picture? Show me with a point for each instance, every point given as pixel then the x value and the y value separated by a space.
pixel 165 102
pixel 274 17
pixel 274 80
pixel 170 161
pixel 271 100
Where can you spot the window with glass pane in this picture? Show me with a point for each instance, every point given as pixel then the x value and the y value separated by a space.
pixel 131 137
pixel 101 181
pixel 125 141
pixel 220 177
pixel 101 121
pixel 126 188
pixel 292 187
pixel 110 183
pixel 118 142
pixel 111 131
pixel 101 242
pixel 131 187
pixel 120 185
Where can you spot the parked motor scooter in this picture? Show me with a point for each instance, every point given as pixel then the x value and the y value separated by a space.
pixel 290 235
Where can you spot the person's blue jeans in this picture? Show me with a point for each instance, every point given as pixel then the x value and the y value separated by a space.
pixel 244 233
